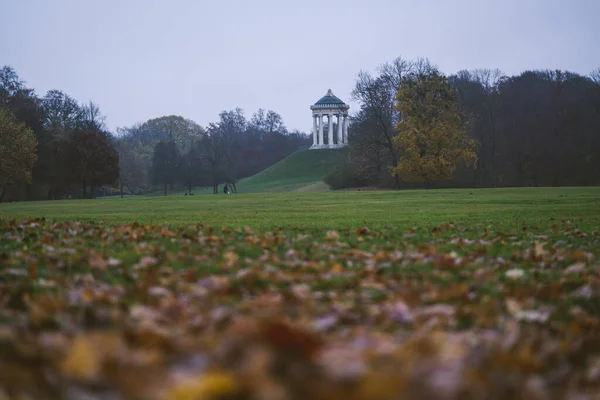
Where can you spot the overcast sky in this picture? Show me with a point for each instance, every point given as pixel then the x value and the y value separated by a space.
pixel 141 59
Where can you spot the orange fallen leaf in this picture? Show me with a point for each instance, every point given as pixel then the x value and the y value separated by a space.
pixel 230 257
pixel 337 268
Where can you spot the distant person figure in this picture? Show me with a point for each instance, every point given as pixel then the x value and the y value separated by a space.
pixel 226 189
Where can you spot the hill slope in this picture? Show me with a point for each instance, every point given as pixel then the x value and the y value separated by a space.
pixel 302 171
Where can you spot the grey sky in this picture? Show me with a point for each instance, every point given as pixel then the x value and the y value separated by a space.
pixel 140 59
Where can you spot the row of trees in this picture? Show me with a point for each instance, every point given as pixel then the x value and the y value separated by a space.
pixel 172 151
pixel 476 128
pixel 415 127
pixel 53 147
pixel 51 144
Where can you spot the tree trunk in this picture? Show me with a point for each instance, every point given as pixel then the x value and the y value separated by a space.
pixel 396 182
pixel 121 188
pixel 165 189
pixel 2 193
pixel 394 164
pixel 83 190
pixel 92 192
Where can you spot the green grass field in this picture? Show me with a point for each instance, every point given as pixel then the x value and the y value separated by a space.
pixel 491 293
pixel 504 207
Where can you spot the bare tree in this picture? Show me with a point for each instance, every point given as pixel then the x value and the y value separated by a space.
pixel 377 97
pixel 377 103
pixel 490 79
pixel 213 153
pixel 595 76
pixel 92 118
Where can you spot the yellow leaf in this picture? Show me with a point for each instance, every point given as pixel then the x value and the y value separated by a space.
pixel 87 353
pixel 210 386
pixel 82 361
pixel 380 386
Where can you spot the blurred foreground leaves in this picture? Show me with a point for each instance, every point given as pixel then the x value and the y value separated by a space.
pixel 105 312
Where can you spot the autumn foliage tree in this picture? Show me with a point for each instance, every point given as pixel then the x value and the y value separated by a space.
pixel 431 137
pixel 18 146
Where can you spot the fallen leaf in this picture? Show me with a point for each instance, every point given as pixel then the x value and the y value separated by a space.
pixel 207 386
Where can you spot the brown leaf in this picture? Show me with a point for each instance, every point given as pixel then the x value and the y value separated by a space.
pixel 288 339
pixel 96 261
pixel 230 257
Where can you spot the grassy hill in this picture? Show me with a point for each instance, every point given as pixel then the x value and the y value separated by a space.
pixel 302 171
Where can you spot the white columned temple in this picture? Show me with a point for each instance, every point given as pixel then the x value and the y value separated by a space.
pixel 332 107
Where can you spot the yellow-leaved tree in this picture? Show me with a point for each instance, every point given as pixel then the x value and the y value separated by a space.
pixel 431 137
pixel 18 147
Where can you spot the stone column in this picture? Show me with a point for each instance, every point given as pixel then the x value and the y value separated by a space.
pixel 340 138
pixel 321 129
pixel 330 129
pixel 345 129
pixel 314 130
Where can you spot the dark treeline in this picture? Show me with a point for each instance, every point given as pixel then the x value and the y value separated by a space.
pixel 540 128
pixel 171 151
pixel 72 147
pixel 415 127
pixel 53 147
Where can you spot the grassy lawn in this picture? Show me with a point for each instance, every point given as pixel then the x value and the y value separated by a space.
pixel 447 294
pixel 503 207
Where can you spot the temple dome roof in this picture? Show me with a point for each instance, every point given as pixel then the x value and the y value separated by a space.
pixel 329 100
